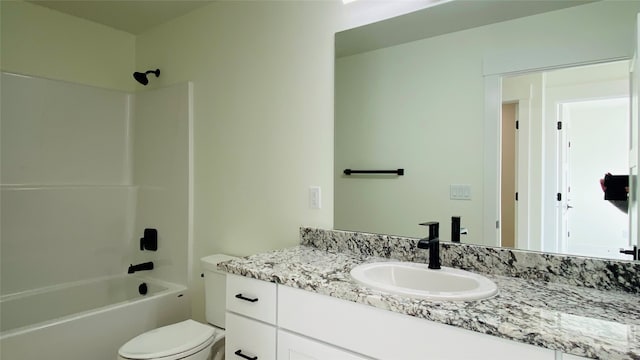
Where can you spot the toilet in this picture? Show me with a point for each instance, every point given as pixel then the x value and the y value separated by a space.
pixel 189 339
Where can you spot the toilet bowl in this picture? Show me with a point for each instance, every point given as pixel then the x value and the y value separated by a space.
pixel 189 339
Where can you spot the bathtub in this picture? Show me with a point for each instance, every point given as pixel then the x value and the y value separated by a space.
pixel 88 319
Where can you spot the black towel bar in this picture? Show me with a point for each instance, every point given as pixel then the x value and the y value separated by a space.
pixel 398 172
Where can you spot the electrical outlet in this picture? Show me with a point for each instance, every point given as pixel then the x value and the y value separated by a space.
pixel 315 197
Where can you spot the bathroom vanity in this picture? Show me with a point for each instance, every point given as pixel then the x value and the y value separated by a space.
pixel 301 303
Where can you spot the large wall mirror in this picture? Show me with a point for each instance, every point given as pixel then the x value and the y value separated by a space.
pixel 434 107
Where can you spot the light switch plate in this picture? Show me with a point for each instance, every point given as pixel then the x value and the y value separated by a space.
pixel 460 192
pixel 315 197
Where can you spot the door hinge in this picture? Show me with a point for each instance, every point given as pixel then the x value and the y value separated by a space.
pixel 559 125
pixel 516 196
pixel 517 124
pixel 497 224
pixel 559 196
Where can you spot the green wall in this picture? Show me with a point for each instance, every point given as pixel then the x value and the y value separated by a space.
pixel 263 118
pixel 262 76
pixel 41 42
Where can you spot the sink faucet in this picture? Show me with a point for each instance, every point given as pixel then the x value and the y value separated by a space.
pixel 455 229
pixel 432 243
pixel 140 267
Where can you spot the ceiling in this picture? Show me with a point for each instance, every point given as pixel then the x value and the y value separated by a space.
pixel 132 16
pixel 138 16
pixel 446 17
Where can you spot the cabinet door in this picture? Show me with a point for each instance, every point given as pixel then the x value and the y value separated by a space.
pixel 294 347
pixel 248 339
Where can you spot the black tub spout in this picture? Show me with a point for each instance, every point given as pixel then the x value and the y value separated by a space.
pixel 140 267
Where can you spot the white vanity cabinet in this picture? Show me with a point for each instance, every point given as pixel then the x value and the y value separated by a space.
pixel 310 326
pixel 386 335
pixel 250 319
pixel 569 357
pixel 295 347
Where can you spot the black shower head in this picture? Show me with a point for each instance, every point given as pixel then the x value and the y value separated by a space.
pixel 142 77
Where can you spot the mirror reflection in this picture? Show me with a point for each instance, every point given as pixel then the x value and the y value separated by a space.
pixel 566 127
pixel 424 106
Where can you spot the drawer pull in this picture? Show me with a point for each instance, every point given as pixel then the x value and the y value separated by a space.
pixel 239 353
pixel 239 296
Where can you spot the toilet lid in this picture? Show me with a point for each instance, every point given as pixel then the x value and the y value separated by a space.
pixel 168 340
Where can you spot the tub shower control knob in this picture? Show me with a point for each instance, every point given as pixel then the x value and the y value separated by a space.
pixel 149 241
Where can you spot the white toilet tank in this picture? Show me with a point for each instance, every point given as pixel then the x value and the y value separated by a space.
pixel 215 289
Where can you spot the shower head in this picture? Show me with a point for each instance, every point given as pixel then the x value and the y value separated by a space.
pixel 142 77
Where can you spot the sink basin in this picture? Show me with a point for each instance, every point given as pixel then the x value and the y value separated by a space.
pixel 417 280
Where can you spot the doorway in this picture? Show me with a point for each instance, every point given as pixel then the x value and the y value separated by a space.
pixel 508 175
pixel 588 225
pixel 552 180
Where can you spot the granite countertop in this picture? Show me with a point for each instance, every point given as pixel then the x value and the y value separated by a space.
pixel 576 320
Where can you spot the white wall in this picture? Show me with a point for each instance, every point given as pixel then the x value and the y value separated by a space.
pixel 67 209
pixel 435 86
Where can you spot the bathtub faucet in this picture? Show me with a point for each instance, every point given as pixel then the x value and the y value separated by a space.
pixel 140 267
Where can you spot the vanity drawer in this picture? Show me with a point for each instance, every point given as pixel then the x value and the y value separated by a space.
pixel 252 298
pixel 249 339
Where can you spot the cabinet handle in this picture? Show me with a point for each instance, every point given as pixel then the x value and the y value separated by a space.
pixel 239 296
pixel 239 353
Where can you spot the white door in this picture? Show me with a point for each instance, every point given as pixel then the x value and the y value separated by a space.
pixel 634 214
pixel 591 226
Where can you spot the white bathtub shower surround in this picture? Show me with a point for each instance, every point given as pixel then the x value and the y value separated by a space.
pixel 88 319
pixel 162 173
pixel 61 133
pixel 84 171
pixel 56 235
pixel 67 202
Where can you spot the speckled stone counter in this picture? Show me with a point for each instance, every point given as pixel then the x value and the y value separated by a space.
pixel 589 322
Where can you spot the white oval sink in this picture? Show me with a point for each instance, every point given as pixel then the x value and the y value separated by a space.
pixel 417 280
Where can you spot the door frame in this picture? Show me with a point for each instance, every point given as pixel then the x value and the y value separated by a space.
pixel 522 95
pixel 494 70
pixel 554 100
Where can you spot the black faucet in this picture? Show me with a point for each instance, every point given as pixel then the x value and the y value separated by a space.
pixel 635 252
pixel 432 243
pixel 140 267
pixel 455 229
